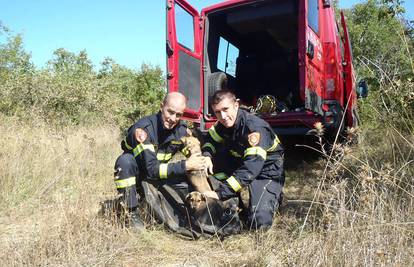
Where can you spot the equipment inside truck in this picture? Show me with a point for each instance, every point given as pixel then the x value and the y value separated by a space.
pixel 256 45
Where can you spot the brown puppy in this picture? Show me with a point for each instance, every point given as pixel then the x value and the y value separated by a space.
pixel 197 178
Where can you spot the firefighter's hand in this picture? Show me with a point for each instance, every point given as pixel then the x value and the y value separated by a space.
pixel 211 194
pixel 195 163
pixel 208 166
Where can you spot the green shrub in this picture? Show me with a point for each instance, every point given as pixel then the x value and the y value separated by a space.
pixel 68 91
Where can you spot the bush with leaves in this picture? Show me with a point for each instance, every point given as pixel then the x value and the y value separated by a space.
pixel 69 91
pixel 383 50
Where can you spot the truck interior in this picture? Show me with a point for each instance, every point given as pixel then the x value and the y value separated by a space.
pixel 256 45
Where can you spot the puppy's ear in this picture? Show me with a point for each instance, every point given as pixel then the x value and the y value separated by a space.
pixel 188 197
pixel 189 132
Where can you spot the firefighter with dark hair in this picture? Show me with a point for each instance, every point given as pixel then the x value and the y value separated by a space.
pixel 246 157
pixel 149 145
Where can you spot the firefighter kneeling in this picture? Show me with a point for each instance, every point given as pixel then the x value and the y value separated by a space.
pixel 144 166
pixel 247 157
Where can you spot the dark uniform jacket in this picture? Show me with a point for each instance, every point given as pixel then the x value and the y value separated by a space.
pixel 153 154
pixel 254 147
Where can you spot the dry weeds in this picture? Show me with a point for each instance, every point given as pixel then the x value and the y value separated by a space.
pixel 51 182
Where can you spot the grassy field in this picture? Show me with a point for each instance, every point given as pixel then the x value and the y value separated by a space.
pixel 355 209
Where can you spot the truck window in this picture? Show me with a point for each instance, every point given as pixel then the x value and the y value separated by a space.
pixel 313 15
pixel 184 27
pixel 227 57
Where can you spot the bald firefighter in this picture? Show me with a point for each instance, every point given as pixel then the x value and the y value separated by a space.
pixel 148 147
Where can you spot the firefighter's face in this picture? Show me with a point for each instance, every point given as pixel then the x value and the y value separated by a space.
pixel 226 111
pixel 171 111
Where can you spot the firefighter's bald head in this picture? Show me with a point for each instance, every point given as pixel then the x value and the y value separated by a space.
pixel 172 109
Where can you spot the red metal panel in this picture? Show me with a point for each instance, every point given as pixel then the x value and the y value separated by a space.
pixel 350 95
pixel 173 71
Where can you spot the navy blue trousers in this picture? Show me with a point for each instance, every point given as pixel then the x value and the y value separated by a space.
pixel 128 178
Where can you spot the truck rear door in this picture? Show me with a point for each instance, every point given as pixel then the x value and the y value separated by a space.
pixel 184 34
pixel 350 95
pixel 312 46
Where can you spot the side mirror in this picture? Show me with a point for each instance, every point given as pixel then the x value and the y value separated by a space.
pixel 362 89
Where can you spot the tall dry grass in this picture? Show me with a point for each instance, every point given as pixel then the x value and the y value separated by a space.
pixel 358 207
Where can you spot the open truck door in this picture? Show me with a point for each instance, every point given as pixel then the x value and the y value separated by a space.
pixel 312 68
pixel 184 35
pixel 349 78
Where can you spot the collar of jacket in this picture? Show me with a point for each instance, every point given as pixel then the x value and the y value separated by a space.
pixel 239 118
pixel 239 123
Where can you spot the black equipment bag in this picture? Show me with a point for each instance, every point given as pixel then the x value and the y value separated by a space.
pixel 166 205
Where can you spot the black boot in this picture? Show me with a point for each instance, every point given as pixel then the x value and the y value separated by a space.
pixel 135 221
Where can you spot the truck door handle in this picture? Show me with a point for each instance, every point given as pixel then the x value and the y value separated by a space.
pixel 310 50
pixel 170 50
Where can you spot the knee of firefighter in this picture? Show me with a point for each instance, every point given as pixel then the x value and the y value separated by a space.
pixel 261 219
pixel 125 166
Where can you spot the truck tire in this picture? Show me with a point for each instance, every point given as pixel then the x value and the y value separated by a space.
pixel 216 81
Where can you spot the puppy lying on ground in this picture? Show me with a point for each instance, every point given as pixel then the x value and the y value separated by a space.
pixel 197 201
pixel 213 216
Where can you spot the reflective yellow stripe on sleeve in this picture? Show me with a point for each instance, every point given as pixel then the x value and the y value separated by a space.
pixel 210 145
pixel 276 141
pixel 163 170
pixel 141 147
pixel 255 150
pixel 234 184
pixel 164 156
pixel 122 183
pixel 216 137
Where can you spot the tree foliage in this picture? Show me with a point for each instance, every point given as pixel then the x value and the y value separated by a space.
pixel 383 50
pixel 68 90
pixel 380 44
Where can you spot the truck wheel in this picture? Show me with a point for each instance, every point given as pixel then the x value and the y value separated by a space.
pixel 216 81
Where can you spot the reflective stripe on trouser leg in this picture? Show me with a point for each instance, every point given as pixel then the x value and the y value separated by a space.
pixel 264 201
pixel 126 171
pixel 126 182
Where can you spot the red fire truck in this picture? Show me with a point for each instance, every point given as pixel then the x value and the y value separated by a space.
pixel 291 56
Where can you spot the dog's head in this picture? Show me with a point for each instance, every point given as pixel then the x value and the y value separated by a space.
pixel 195 200
pixel 192 144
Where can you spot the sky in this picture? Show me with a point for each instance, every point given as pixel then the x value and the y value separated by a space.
pixel 132 32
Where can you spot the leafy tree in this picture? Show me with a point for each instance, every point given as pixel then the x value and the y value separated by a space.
pixel 69 91
pixel 377 34
pixel 383 49
pixel 16 73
